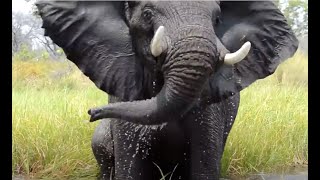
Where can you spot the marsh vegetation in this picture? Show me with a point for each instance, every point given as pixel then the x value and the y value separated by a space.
pixel 52 135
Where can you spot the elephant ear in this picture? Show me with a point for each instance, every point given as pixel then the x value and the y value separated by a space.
pixel 96 38
pixel 272 41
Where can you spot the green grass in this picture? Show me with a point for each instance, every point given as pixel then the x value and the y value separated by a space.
pixel 270 131
pixel 51 133
pixel 52 136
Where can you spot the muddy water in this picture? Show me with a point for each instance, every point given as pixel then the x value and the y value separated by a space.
pixel 297 173
pixel 300 173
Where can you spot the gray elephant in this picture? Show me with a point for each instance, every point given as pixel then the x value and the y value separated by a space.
pixel 173 71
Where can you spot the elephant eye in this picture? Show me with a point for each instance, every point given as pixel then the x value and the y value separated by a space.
pixel 218 20
pixel 147 14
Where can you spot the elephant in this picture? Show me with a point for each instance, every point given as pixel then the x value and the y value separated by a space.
pixel 173 71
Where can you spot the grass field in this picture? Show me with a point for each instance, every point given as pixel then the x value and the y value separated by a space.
pixel 52 136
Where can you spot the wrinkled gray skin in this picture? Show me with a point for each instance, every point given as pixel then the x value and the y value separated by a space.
pixel 194 144
pixel 182 103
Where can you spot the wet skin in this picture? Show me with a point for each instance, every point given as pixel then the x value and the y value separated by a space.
pixel 171 146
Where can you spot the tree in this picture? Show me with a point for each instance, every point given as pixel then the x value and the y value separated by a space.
pixel 22 31
pixel 296 12
pixel 54 50
pixel 27 31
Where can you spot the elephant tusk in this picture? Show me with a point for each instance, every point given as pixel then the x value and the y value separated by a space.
pixel 157 43
pixel 232 58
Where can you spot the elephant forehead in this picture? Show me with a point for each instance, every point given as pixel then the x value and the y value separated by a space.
pixel 181 6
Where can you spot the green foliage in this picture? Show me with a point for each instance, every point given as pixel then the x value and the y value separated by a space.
pixel 45 55
pixel 25 53
pixel 52 136
pixel 296 12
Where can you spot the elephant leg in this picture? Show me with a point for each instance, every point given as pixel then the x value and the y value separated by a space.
pixel 102 147
pixel 135 154
pixel 207 127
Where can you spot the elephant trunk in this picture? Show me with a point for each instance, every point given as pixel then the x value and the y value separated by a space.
pixel 187 67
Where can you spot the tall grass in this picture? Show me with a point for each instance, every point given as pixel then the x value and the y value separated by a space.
pixel 51 133
pixel 52 136
pixel 271 129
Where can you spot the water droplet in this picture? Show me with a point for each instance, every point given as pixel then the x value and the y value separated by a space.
pixel 136 129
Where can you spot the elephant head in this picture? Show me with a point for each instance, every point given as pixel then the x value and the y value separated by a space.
pixel 207 50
